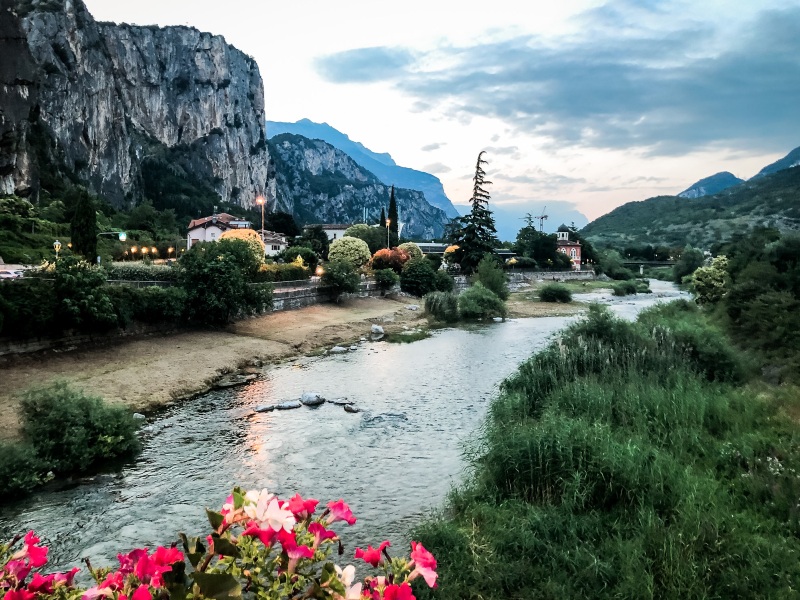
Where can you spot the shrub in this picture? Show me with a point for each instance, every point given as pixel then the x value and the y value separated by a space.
pixel 386 279
pixel 341 277
pixel 643 287
pixel 284 272
pixel 479 302
pixel 418 277
pixel 491 275
pixel 140 272
pixel 28 308
pixel 435 260
pixel 350 249
pixel 147 305
pixel 522 262
pixel 624 288
pixel 443 282
pixel 250 237
pixel 411 249
pixel 307 254
pixel 375 237
pixel 387 258
pixel 81 299
pixel 554 292
pixel 19 469
pixel 72 432
pixel 442 306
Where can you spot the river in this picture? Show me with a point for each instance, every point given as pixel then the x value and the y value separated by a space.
pixel 393 463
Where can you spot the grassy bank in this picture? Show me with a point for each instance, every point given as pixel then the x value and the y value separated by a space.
pixel 626 461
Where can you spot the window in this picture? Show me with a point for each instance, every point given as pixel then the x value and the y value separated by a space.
pixel 572 253
pixel 213 235
pixel 275 247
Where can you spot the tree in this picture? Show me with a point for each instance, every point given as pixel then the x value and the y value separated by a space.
pixel 492 276
pixel 392 213
pixel 690 259
pixel 710 283
pixel 282 222
pixel 375 237
pixel 418 277
pixel 350 249
pixel 251 238
pixel 315 238
pixel 411 249
pixel 382 222
pixel 477 235
pixel 341 278
pixel 83 230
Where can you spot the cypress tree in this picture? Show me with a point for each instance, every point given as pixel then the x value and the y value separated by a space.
pixel 83 227
pixel 382 222
pixel 477 235
pixel 392 213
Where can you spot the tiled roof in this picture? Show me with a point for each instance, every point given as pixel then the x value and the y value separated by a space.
pixel 221 219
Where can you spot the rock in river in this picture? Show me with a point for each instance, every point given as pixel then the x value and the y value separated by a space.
pixel 376 330
pixel 351 408
pixel 289 405
pixel 312 398
pixel 264 408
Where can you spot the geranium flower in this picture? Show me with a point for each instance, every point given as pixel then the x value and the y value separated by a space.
pixel 372 555
pixel 167 556
pixel 142 593
pixel 424 564
pixel 340 512
pixel 398 592
pixel 302 509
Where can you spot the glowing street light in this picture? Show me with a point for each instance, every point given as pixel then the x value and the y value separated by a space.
pixel 388 222
pixel 170 250
pixel 260 200
pixel 57 247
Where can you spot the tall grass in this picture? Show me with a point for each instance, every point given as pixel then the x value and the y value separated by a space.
pixel 623 462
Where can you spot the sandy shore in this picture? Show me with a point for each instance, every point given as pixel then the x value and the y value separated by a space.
pixel 152 372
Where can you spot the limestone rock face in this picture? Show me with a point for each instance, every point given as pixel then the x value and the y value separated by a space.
pixel 321 184
pixel 97 97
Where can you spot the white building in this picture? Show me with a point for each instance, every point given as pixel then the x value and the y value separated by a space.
pixel 274 243
pixel 208 229
pixel 333 231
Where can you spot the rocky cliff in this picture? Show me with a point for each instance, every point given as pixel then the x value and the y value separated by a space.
pixel 97 101
pixel 318 183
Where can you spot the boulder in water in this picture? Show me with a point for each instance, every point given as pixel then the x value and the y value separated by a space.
pixel 261 408
pixel 338 350
pixel 289 405
pixel 376 330
pixel 312 398
pixel 340 401
pixel 351 408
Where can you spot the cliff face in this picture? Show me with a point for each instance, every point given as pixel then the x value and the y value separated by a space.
pixel 318 183
pixel 101 99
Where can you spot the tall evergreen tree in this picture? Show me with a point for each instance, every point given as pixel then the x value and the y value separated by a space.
pixel 477 235
pixel 382 222
pixel 392 216
pixel 83 227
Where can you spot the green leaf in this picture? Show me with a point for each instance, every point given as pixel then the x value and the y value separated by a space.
pixel 220 586
pixel 215 519
pixel 224 546
pixel 195 550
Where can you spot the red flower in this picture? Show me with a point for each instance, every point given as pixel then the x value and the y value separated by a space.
pixel 37 555
pixel 372 555
pixel 65 578
pixel 320 533
pixel 22 594
pixel 167 556
pixel 142 593
pixel 424 564
pixel 398 592
pixel 18 569
pixel 267 536
pixel 41 584
pixel 302 509
pixel 340 512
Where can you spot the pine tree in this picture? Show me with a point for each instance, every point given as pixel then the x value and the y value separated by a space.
pixel 83 229
pixel 382 222
pixel 477 235
pixel 392 213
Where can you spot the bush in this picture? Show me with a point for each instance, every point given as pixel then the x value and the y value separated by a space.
pixel 350 249
pixel 375 237
pixel 624 288
pixel 478 302
pixel 141 272
pixel 411 249
pixel 418 277
pixel 147 305
pixel 307 254
pixel 284 272
pixel 386 279
pixel 443 282
pixel 72 432
pixel 81 299
pixel 390 259
pixel 28 308
pixel 491 275
pixel 521 262
pixel 435 260
pixel 341 277
pixel 442 306
pixel 19 469
pixel 250 237
pixel 554 292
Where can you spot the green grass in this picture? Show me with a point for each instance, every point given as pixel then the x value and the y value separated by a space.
pixel 624 461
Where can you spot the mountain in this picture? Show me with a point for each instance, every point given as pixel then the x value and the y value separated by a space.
pixel 711 185
pixel 319 183
pixel 768 201
pixel 510 218
pixel 128 111
pixel 381 165
pixel 790 160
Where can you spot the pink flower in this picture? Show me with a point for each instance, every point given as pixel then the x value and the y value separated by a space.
pixel 142 593
pixel 41 584
pixel 302 509
pixel 398 592
pixel 372 555
pixel 340 512
pixel 128 562
pixel 167 556
pixel 267 536
pixel 93 593
pixel 114 581
pixel 22 594
pixel 18 569
pixel 37 555
pixel 294 551
pixel 320 533
pixel 148 571
pixel 65 578
pixel 424 564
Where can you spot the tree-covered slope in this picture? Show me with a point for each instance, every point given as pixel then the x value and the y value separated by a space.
pixel 772 200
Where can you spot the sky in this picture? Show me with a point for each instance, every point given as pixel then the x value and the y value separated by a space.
pixel 579 101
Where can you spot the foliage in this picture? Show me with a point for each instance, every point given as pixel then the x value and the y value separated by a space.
pixel 386 279
pixel 375 237
pixel 271 548
pixel 81 298
pixel 479 302
pixel 554 292
pixel 147 305
pixel 411 249
pixel 442 306
pixel 606 453
pixel 285 272
pixel 83 227
pixel 435 260
pixel 20 469
pixel 136 271
pixel 535 245
pixel 72 432
pixel 710 283
pixel 492 276
pixel 610 263
pixel 390 259
pixel 28 308
pixel 314 237
pixel 216 278
pixel 392 215
pixel 418 277
pixel 251 238
pixel 689 260
pixel 310 258
pixel 352 250
pixel 624 288
pixel 522 262
pixel 341 277
pixel 443 282
pixel 476 233
pixel 282 222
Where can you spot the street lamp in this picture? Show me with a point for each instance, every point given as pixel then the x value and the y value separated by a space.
pixel 260 200
pixel 134 249
pixel 388 222
pixel 170 250
pixel 57 247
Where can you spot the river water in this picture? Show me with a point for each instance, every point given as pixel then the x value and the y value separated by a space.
pixel 393 463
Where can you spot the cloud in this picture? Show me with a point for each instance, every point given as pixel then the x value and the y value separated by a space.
pixel 512 151
pixel 434 146
pixel 437 168
pixel 364 65
pixel 636 77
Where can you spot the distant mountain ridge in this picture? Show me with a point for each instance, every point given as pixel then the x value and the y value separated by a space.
pixel 380 164
pixel 787 162
pixel 711 185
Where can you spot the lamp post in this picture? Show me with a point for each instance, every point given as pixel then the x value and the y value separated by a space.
pixel 260 200
pixel 57 247
pixel 388 229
